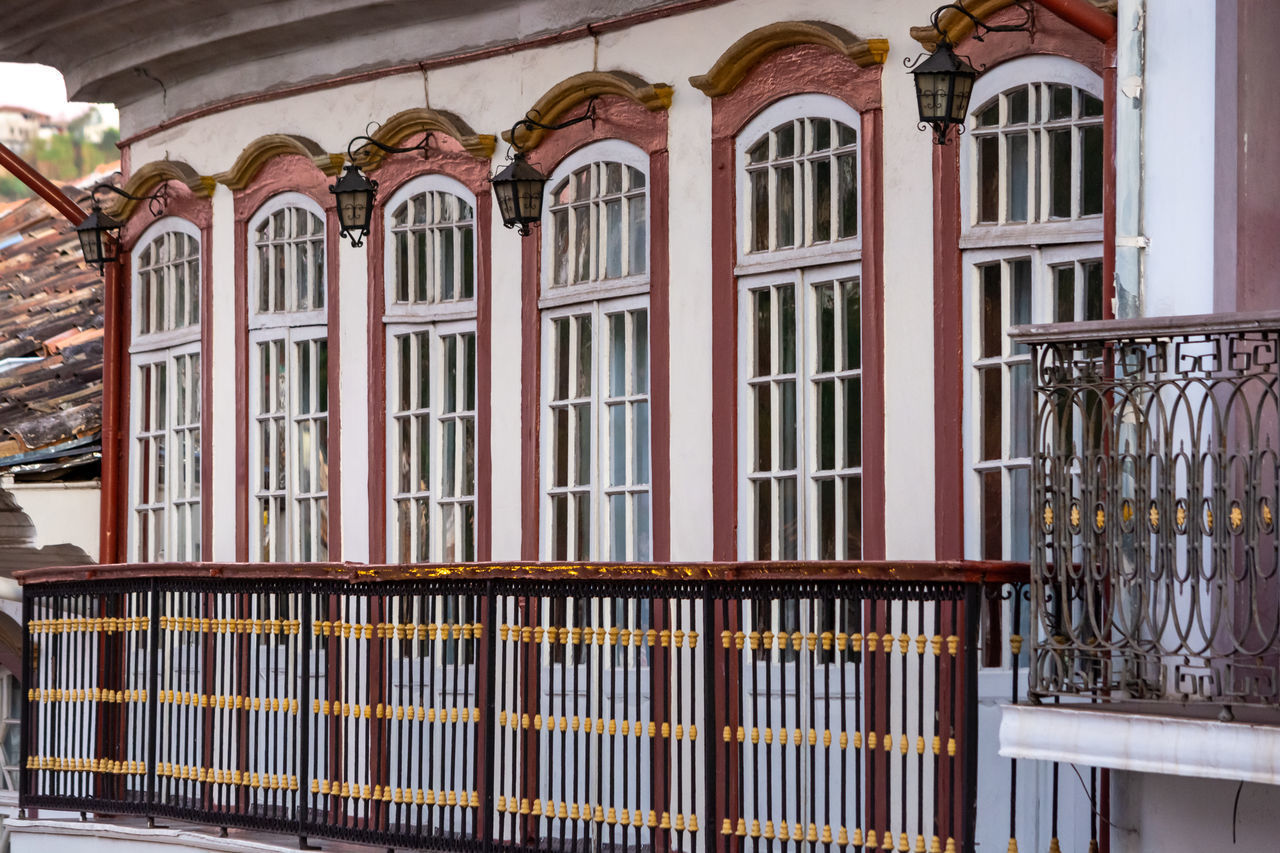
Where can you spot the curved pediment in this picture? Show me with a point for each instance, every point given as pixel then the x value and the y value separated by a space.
pixel 146 179
pixel 559 101
pixel 261 150
pixel 407 123
pixel 747 52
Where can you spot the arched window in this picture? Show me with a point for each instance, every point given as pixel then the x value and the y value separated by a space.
pixel 800 332
pixel 431 371
pixel 289 381
pixel 595 333
pixel 165 401
pixel 1031 237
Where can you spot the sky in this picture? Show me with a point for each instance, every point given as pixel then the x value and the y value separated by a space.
pixel 39 87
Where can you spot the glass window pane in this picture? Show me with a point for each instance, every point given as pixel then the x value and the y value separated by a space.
pixel 1060 173
pixel 992 535
pixel 988 178
pixel 853 518
pixel 582 458
pixel 763 405
pixel 640 436
pixel 826 431
pixel 825 326
pixel 847 167
pixel 613 238
pixel 1017 177
pixel 759 211
pixel 763 338
pixel 992 408
pixel 1017 105
pixel 1090 170
pixel 640 341
pixel 852 325
pixel 992 325
pixel 1093 306
pixel 618 444
pixel 1059 102
pixel 1089 105
pixel 821 170
pixel 1020 403
pixel 1064 294
pixel 786 222
pixel 787 329
pixel 787 425
pixel 764 520
pixel 788 527
pixel 826 492
pixel 852 422
pixel 990 115
pixel 1020 303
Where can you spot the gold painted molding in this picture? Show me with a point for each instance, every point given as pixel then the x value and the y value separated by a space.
pixel 147 178
pixel 747 52
pixel 256 154
pixel 567 94
pixel 959 27
pixel 404 124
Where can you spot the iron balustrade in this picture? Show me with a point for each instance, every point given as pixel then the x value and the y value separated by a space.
pixel 498 707
pixel 1156 481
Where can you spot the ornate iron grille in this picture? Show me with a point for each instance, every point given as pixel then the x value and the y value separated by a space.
pixel 1156 482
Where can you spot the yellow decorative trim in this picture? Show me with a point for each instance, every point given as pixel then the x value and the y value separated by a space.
pixel 402 125
pixel 555 105
pixel 747 52
pixel 256 154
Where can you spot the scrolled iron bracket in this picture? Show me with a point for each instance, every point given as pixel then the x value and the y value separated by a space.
pixel 531 122
pixel 357 148
pixel 156 201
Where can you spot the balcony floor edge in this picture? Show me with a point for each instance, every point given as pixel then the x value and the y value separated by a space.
pixel 1143 743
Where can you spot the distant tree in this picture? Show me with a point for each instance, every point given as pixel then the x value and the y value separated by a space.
pixel 11 188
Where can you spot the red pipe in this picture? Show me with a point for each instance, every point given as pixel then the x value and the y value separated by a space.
pixel 1084 15
pixel 41 185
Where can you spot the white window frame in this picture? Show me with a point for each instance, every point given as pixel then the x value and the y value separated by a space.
pixel 599 299
pixel 803 280
pixel 606 150
pixel 832 251
pixel 435 333
pixel 1008 75
pixel 156 348
pixel 423 312
pixel 291 327
pixel 598 310
pixel 437 320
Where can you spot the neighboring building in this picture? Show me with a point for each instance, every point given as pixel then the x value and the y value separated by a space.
pixel 19 127
pixel 765 318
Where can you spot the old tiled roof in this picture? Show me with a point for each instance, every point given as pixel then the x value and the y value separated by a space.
pixel 50 345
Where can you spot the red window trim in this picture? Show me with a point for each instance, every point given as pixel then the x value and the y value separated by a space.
pixel 1053 37
pixel 799 70
pixel 623 119
pixel 116 510
pixel 446 158
pixel 286 173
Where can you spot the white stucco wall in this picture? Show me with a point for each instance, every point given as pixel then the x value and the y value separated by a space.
pixel 62 513
pixel 1178 157
pixel 1167 813
pixel 665 50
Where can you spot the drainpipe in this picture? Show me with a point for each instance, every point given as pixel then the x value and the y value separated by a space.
pixel 1130 242
pixel 1084 15
pixel 41 185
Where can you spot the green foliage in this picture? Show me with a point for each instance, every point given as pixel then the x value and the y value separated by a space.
pixel 64 157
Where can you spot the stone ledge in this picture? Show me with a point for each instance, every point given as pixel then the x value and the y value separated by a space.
pixel 1144 743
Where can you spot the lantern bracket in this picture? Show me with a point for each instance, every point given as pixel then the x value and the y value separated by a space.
pixel 530 122
pixel 980 29
pixel 156 201
pixel 358 147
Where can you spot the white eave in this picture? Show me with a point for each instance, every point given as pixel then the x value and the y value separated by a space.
pixel 1144 743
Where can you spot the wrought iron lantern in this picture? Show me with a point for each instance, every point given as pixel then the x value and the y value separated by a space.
pixel 355 191
pixel 944 80
pixel 944 83
pixel 99 232
pixel 518 186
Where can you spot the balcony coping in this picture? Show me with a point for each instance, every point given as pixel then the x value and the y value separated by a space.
pixel 1145 327
pixel 1142 742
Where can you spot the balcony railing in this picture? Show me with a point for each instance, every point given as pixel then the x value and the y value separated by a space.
pixel 1156 483
pixel 693 707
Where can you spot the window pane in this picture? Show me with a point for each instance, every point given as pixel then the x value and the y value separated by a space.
pixel 639 236
pixel 1093 306
pixel 787 329
pixel 992 406
pixel 786 223
pixel 1064 294
pixel 1017 105
pixel 759 211
pixel 1060 173
pixel 852 325
pixel 826 431
pixel 764 520
pixel 1020 402
pixel 613 238
pixel 1090 170
pixel 640 436
pixel 640 340
pixel 988 178
pixel 852 422
pixel 992 326
pixel 847 167
pixel 825 322
pixel 618 444
pixel 853 518
pixel 1017 200
pixel 826 493
pixel 763 405
pixel 1089 105
pixel 821 200
pixel 992 516
pixel 1020 303
pixel 788 531
pixel 787 426
pixel 1059 102
pixel 763 340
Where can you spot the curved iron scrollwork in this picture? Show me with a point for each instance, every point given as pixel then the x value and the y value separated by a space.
pixel 1156 484
pixel 156 201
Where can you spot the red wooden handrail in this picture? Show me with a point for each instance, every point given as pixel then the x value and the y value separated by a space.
pixel 963 571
